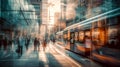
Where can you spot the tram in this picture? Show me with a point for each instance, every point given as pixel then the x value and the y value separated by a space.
pixel 97 38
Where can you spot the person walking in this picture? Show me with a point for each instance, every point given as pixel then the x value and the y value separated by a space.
pixel 10 41
pixel 38 44
pixel 27 42
pixel 52 38
pixel 44 44
pixel 21 43
pixel 35 44
pixel 5 43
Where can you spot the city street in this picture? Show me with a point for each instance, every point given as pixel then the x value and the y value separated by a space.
pixel 51 57
pixel 31 58
pixel 59 33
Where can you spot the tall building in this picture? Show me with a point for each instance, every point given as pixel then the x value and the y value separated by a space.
pixel 56 21
pixel 44 16
pixel 44 11
pixel 38 7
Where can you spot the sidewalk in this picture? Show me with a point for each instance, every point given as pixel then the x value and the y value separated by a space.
pixel 11 58
pixel 51 57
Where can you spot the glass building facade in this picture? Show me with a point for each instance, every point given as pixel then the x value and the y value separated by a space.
pixel 18 16
pixel 86 9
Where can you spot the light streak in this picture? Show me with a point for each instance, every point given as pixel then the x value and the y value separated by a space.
pixel 101 16
pixel 66 56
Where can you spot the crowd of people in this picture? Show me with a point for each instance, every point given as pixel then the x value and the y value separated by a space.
pixel 24 42
pixel 5 43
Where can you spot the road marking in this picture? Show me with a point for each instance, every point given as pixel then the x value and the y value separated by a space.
pixel 67 57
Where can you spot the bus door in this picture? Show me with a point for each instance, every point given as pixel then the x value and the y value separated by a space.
pixel 72 40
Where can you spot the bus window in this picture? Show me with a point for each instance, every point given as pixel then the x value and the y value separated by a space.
pixel 65 36
pixel 95 36
pixel 76 36
pixel 112 36
pixel 87 33
pixel 81 36
pixel 68 35
pixel 72 37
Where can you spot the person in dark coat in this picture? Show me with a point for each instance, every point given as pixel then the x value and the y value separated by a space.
pixel 27 43
pixel 35 44
pixel 0 43
pixel 5 43
pixel 38 44
pixel 21 43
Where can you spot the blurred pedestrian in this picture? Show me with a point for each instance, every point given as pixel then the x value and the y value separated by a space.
pixel 5 43
pixel 44 44
pixel 35 44
pixel 38 44
pixel 21 43
pixel 10 44
pixel 1 42
pixel 27 42
pixel 53 41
